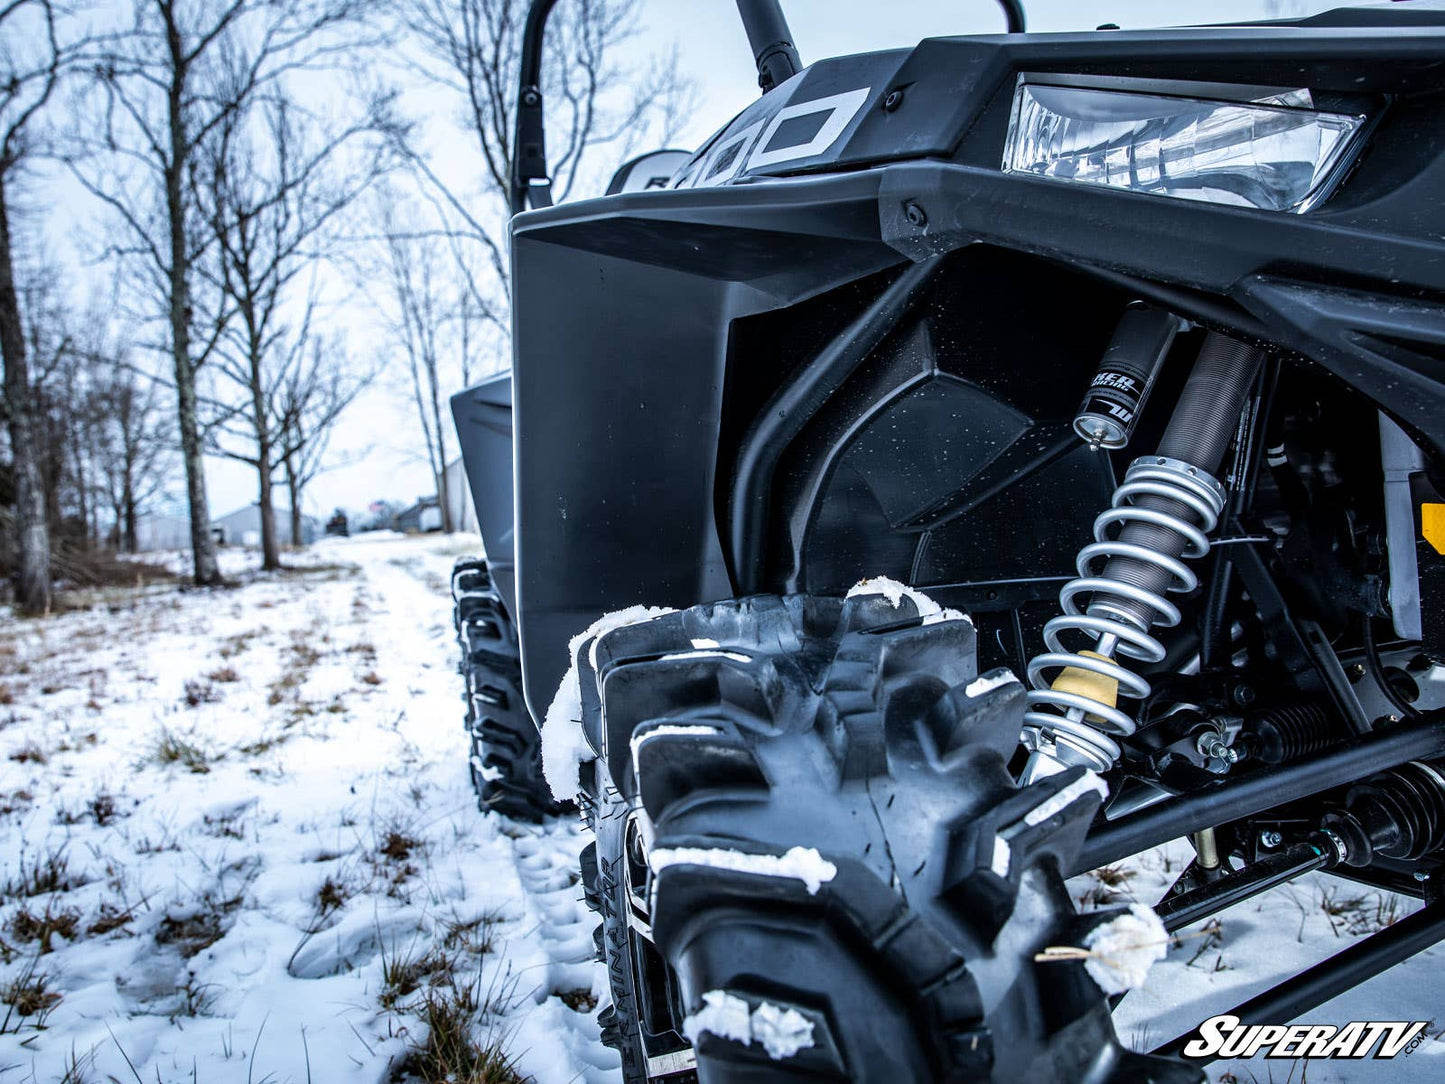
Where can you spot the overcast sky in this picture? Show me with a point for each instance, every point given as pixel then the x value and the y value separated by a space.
pixel 376 453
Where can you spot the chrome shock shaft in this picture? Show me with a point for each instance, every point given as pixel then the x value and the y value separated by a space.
pixel 1159 516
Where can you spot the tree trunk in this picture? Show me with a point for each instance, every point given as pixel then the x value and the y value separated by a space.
pixel 32 570
pixel 442 502
pixel 203 545
pixel 82 490
pixel 130 538
pixel 293 487
pixel 270 550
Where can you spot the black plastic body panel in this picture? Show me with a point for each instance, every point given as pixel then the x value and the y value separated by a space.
pixel 483 417
pixel 628 310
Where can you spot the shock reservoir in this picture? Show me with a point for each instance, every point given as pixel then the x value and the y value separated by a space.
pixel 1126 373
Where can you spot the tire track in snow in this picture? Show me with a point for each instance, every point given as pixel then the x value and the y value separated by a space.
pixel 544 857
pixel 546 861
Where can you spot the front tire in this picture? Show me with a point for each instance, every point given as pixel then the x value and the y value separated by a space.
pixel 504 746
pixel 812 863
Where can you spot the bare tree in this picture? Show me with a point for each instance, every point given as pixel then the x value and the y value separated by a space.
pixel 126 434
pixel 167 86
pixel 473 47
pixel 26 85
pixel 419 327
pixel 272 188
pixel 309 404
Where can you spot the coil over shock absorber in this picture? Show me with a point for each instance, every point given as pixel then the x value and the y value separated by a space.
pixel 1164 510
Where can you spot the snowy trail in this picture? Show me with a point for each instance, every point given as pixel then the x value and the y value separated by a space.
pixel 545 862
pixel 238 841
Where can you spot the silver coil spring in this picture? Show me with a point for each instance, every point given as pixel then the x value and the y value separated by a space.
pixel 1077 727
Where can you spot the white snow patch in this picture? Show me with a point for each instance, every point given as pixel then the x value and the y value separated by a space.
pixel 564 745
pixel 895 592
pixel 722 1014
pixel 703 642
pixel 1002 856
pixel 799 863
pixel 1122 950
pixel 989 682
pixel 664 729
pixel 708 653
pixel 781 1032
pixel 1088 783
pixel 617 619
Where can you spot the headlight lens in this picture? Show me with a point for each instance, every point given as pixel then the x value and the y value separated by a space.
pixel 1268 154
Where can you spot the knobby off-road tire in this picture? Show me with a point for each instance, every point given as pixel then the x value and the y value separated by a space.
pixel 846 885
pixel 504 752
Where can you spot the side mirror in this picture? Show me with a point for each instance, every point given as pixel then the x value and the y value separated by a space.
pixel 652 170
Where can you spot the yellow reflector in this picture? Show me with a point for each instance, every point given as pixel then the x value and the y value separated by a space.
pixel 1432 525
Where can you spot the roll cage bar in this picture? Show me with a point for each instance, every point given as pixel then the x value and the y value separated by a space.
pixel 773 51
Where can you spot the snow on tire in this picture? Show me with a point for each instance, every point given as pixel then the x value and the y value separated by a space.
pixel 812 863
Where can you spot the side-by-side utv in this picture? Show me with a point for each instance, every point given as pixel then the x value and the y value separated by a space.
pixel 1030 450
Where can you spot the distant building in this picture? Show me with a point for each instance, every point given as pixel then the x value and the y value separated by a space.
pixel 459 498
pixel 425 515
pixel 160 532
pixel 243 527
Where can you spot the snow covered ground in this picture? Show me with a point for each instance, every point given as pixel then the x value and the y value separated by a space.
pixel 237 843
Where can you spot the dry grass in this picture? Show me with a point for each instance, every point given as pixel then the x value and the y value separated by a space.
pixel 403 973
pixel 27 996
pixel 102 809
pixel 452 1012
pixel 30 753
pixel 475 935
pixel 48 872
pixel 232 646
pixel 26 925
pixel 332 896
pixel 103 568
pixel 451 1054
pixel 224 676
pixel 263 745
pixel 109 918
pixel 1359 915
pixel 198 927
pixel 199 691
pixel 78 1067
pixel 171 748
pixel 301 656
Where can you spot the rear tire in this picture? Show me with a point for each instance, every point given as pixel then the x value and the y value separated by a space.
pixel 504 746
pixel 812 861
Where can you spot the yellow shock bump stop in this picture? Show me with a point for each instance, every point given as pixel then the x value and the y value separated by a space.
pixel 1432 525
pixel 1097 687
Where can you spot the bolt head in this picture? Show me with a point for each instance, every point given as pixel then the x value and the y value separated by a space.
pixel 915 215
pixel 1270 839
pixel 893 101
pixel 1422 875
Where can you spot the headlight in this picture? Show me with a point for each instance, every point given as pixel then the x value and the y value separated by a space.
pixel 1269 154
